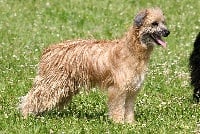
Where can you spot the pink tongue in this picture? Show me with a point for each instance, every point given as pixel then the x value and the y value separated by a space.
pixel 164 44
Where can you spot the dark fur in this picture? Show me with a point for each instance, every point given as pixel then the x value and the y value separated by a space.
pixel 195 68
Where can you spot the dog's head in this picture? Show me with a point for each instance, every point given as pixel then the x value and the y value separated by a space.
pixel 151 25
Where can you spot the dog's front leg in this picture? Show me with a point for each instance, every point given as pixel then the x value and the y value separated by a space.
pixel 196 94
pixel 129 107
pixel 116 104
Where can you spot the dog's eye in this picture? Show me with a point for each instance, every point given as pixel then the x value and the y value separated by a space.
pixel 164 23
pixel 155 23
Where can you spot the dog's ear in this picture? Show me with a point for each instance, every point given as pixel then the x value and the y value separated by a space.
pixel 139 18
pixel 197 41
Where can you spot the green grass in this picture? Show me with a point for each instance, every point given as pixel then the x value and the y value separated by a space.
pixel 164 104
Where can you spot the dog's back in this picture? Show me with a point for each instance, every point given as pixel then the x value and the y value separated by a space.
pixel 194 63
pixel 84 61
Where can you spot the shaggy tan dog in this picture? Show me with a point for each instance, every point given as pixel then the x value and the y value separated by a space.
pixel 117 65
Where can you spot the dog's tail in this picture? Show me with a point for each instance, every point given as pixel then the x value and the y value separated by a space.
pixel 197 41
pixel 46 94
pixel 21 106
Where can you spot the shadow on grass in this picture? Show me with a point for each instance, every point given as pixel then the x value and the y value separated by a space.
pixel 82 107
pixel 77 113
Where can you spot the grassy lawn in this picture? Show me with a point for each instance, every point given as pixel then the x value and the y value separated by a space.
pixel 164 104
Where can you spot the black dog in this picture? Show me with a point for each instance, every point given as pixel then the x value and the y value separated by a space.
pixel 195 68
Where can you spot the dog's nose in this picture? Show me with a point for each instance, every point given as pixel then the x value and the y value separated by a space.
pixel 166 33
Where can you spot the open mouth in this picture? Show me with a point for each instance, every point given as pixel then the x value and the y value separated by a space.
pixel 158 40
